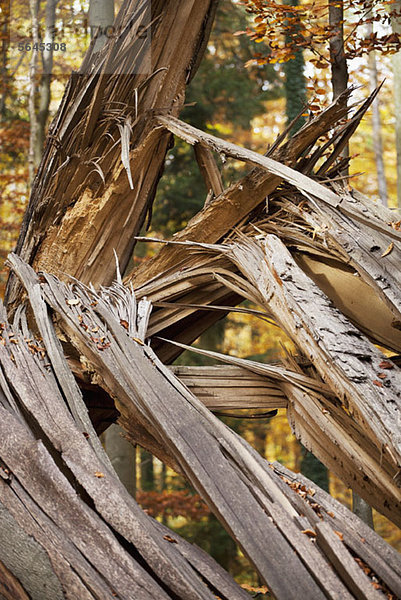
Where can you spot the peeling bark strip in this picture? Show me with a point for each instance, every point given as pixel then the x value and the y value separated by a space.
pixel 255 503
pixel 36 489
pixel 346 361
pixel 82 199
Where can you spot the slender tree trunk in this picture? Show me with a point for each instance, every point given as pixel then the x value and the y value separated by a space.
pixel 4 58
pixel 122 455
pixel 101 19
pixel 295 83
pixel 147 471
pixel 377 125
pixel 339 70
pixel 396 24
pixel 33 68
pixel 45 82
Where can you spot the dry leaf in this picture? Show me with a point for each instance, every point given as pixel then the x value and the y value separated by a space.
pixel 340 535
pixel 386 364
pixel 388 250
pixel 382 375
pixel 124 324
pixel 99 474
pixel 170 539
pixel 309 532
pixel 377 382
pixel 138 341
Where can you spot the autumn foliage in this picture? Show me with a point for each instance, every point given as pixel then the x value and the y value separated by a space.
pixel 172 504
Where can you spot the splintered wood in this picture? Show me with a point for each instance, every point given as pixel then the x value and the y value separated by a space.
pixel 317 258
pixel 258 500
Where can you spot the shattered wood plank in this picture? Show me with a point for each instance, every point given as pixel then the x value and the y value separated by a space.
pixel 111 499
pixel 82 206
pixel 231 387
pixel 358 536
pixel 217 219
pixel 345 359
pixel 63 517
pixel 194 136
pixel 150 390
pixel 359 583
pixel 209 169
pixel 326 431
pixel 191 432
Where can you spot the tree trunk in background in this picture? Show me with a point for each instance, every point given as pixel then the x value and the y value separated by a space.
pixel 377 126
pixel 4 55
pixel 295 84
pixel 147 471
pixel 101 19
pixel 315 470
pixel 45 81
pixel 122 455
pixel 396 24
pixel 33 68
pixel 339 70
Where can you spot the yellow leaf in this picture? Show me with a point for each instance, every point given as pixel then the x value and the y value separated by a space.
pixel 388 250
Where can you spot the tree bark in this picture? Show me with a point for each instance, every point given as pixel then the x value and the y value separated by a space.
pixel 44 92
pixel 101 19
pixel 339 70
pixel 34 149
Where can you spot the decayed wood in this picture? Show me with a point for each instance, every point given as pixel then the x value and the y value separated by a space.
pixel 217 219
pixel 351 573
pixel 253 503
pixel 10 587
pixel 83 550
pixel 348 363
pixel 104 154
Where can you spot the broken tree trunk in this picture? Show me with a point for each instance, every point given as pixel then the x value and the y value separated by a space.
pixel 105 153
pixel 256 499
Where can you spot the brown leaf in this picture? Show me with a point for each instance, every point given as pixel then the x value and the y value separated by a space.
pixel 386 364
pixel 340 535
pixel 309 532
pixel 388 250
pixel 124 324
pixel 382 375
pixel 138 341
pixel 170 539
pixel 378 383
pixel 99 474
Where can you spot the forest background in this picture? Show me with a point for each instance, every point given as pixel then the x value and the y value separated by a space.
pixel 266 63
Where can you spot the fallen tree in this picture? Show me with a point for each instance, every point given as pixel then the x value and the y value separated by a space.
pixel 103 159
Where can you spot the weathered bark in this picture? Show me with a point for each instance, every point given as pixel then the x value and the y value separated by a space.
pixel 101 19
pixel 254 502
pixel 347 362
